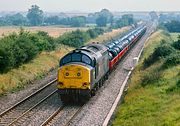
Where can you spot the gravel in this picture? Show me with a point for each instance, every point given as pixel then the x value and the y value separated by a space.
pixel 38 115
pixel 65 115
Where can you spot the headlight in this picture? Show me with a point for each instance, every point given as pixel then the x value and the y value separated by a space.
pixel 85 84
pixel 60 83
pixel 78 74
pixel 67 74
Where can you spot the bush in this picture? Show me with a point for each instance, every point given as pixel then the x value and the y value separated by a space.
pixel 174 88
pixel 24 49
pixel 75 38
pixel 178 83
pixel 150 77
pixel 16 49
pixel 99 31
pixel 6 57
pixel 78 38
pixel 43 41
pixel 176 44
pixel 93 33
pixel 163 51
pixel 172 60
pixel 160 52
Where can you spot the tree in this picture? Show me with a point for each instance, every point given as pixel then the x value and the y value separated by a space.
pixel 18 19
pixel 78 21
pixel 35 15
pixel 101 21
pixel 65 21
pixel 126 19
pixel 53 20
pixel 91 18
pixel 108 14
pixel 104 17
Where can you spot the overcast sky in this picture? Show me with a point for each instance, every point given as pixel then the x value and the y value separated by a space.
pixel 91 5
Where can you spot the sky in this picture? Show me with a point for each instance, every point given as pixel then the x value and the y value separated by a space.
pixel 91 5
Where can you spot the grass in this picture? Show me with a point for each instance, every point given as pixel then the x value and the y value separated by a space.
pixel 16 79
pixel 157 103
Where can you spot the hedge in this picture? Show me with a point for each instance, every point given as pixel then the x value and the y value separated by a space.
pixel 16 49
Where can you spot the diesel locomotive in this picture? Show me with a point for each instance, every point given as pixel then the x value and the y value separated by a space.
pixel 83 70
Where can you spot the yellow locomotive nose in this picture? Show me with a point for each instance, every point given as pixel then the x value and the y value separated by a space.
pixel 74 76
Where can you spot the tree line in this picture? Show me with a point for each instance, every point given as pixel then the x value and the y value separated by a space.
pixel 36 17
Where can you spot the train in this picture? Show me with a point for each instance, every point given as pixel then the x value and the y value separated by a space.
pixel 82 71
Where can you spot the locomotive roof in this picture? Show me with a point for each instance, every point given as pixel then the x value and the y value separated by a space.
pixel 96 48
pixel 92 50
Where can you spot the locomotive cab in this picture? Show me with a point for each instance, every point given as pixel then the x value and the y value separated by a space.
pixel 72 69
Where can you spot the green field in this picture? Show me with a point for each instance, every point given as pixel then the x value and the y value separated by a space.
pixel 158 102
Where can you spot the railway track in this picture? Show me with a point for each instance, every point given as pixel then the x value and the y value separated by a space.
pixel 51 117
pixel 58 112
pixel 15 114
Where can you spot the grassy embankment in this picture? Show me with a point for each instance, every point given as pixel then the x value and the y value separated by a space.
pixel 17 78
pixel 153 97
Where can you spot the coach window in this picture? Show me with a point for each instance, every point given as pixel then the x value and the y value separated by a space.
pixel 76 57
pixel 86 59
